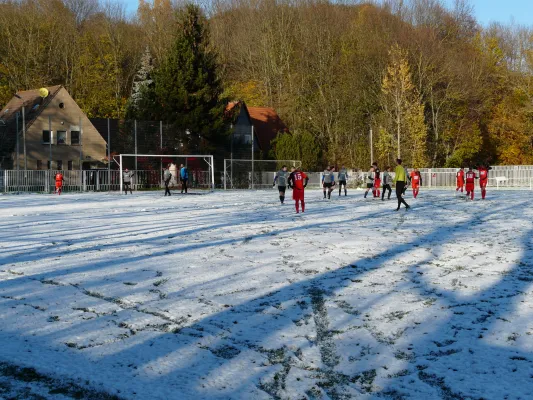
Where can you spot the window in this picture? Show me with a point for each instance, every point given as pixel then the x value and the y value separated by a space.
pixel 59 165
pixel 247 139
pixel 39 164
pixel 46 137
pixel 61 137
pixel 70 165
pixel 75 137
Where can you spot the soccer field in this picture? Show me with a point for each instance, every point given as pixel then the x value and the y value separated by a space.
pixel 230 295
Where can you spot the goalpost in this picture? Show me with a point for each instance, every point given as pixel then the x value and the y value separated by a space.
pixel 148 169
pixel 253 174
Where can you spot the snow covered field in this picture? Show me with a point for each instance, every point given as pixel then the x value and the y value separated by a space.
pixel 229 295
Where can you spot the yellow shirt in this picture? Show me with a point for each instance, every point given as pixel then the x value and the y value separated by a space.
pixel 400 175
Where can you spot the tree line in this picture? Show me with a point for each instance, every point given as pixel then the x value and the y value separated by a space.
pixel 435 87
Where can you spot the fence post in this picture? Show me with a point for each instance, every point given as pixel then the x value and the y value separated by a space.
pixel 108 155
pixel 47 179
pixel 430 177
pixel 81 157
pixel 225 173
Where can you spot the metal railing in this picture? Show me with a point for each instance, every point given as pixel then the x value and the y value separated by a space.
pixel 43 181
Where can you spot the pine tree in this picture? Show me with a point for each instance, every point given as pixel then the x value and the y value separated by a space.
pixel 143 92
pixel 187 87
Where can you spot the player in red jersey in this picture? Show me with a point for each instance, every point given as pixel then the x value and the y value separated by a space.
pixel 460 179
pixel 470 180
pixel 376 191
pixel 298 181
pixel 59 183
pixel 416 181
pixel 483 179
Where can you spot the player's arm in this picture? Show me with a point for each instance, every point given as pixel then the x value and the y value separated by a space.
pixel 275 180
pixel 306 181
pixel 420 177
pixel 290 180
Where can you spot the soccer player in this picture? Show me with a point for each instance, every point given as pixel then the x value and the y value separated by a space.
pixel 59 183
pixel 483 179
pixel 369 181
pixel 387 180
pixel 470 180
pixel 281 177
pixel 377 180
pixel 126 178
pixel 297 182
pixel 328 181
pixel 167 176
pixel 416 181
pixel 401 179
pixel 342 177
pixel 460 179
pixel 184 177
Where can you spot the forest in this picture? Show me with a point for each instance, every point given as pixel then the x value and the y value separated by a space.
pixel 432 85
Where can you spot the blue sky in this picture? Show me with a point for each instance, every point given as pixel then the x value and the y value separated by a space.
pixel 486 11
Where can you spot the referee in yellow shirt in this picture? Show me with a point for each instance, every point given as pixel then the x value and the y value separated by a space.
pixel 400 177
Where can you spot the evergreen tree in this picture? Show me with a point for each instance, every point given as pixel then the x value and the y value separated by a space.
pixel 143 93
pixel 187 87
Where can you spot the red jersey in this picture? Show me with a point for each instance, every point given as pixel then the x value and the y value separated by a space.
pixel 298 180
pixel 59 178
pixel 461 176
pixel 415 179
pixel 483 174
pixel 470 177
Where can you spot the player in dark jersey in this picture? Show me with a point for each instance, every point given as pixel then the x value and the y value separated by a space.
pixel 297 182
pixel 342 177
pixel 281 178
pixel 470 181
pixel 387 180
pixel 483 179
pixel 328 181
pixel 369 180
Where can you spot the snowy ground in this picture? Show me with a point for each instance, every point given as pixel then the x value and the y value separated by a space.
pixel 231 296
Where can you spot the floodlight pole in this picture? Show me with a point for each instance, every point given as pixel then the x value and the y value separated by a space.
pixel 50 139
pixel 18 147
pixel 371 148
pixel 109 154
pixel 252 157
pixel 23 130
pixel 135 132
pixel 81 156
pixel 120 170
pixel 24 138
pixel 161 147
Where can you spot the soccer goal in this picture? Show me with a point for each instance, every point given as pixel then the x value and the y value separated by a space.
pixel 147 170
pixel 253 174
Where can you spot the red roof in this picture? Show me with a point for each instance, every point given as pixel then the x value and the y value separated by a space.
pixel 267 124
pixel 266 121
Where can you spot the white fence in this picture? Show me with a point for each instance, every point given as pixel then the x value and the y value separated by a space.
pixel 104 180
pixel 90 180
pixel 499 176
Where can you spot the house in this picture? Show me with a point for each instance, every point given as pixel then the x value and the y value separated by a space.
pixel 263 121
pixel 55 125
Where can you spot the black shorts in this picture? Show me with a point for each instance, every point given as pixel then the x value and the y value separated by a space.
pixel 328 185
pixel 282 189
pixel 342 183
pixel 369 185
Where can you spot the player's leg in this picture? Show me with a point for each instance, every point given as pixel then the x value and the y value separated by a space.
pixel 281 194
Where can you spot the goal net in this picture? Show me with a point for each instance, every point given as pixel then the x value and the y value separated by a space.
pixel 253 174
pixel 147 170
